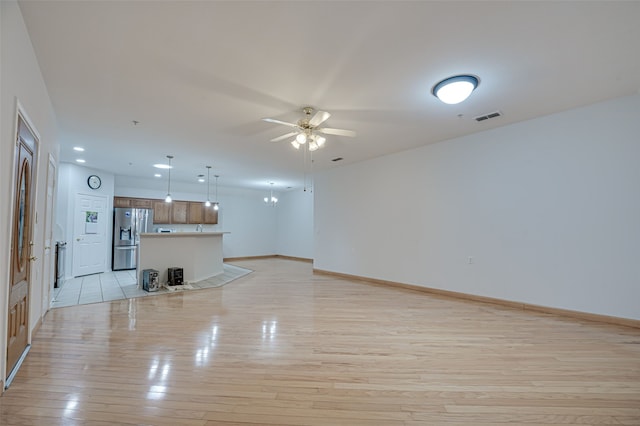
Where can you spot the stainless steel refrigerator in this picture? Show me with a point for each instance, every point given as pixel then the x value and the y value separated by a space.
pixel 128 224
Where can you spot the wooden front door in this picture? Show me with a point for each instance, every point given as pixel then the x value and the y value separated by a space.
pixel 21 245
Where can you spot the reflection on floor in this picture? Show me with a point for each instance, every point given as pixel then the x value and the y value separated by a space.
pixel 123 285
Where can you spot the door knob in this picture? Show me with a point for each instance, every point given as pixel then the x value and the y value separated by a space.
pixel 33 258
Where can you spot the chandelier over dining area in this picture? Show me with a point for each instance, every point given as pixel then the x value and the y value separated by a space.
pixel 271 200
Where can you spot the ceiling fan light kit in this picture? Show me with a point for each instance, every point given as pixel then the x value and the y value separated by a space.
pixel 308 129
pixel 456 89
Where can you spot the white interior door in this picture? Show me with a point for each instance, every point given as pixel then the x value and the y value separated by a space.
pixel 89 235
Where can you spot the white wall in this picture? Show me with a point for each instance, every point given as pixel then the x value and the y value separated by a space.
pixel 72 180
pixel 549 209
pixel 295 224
pixel 251 224
pixel 21 80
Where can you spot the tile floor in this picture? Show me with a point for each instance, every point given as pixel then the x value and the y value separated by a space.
pixel 123 285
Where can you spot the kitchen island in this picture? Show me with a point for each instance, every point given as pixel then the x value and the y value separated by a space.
pixel 198 253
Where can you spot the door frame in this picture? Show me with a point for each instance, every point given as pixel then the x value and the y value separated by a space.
pixel 20 113
pixel 48 269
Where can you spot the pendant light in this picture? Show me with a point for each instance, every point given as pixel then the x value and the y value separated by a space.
pixel 216 205
pixel 167 199
pixel 271 200
pixel 208 203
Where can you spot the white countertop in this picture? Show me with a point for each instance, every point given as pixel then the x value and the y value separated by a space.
pixel 181 234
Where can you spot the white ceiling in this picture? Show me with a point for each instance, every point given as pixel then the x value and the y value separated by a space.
pixel 199 76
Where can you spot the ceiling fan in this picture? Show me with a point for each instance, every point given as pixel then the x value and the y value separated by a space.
pixel 307 130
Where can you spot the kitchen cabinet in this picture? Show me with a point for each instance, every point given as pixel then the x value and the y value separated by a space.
pixel 141 203
pixel 161 211
pixel 201 214
pixel 179 211
pixel 137 203
pixel 196 212
pixel 121 202
pixel 210 216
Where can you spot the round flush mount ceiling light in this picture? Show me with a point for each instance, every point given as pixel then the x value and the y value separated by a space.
pixel 456 89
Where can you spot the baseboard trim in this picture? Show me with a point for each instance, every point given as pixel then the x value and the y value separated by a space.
pixel 235 259
pixel 297 259
pixel 483 299
pixel 268 256
pixel 37 326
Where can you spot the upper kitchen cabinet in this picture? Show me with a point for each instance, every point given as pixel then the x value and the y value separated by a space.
pixel 121 202
pixel 201 214
pixel 161 211
pixel 176 212
pixel 141 203
pixel 196 212
pixel 210 216
pixel 179 212
pixel 136 203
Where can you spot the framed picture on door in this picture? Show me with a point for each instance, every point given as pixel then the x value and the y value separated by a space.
pixel 91 223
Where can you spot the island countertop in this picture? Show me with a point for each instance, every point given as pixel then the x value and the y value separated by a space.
pixel 182 234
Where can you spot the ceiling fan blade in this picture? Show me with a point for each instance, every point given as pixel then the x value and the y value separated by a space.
pixel 279 138
pixel 339 132
pixel 319 118
pixel 273 120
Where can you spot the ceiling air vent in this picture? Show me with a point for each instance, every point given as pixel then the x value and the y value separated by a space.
pixel 337 159
pixel 488 116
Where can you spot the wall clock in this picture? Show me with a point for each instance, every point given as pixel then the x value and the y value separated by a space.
pixel 94 182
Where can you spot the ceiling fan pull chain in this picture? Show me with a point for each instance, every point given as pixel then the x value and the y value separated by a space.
pixel 311 172
pixel 304 156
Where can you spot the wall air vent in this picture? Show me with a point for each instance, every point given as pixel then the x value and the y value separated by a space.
pixel 488 116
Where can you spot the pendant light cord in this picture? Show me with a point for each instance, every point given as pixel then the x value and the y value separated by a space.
pixel 169 184
pixel 208 180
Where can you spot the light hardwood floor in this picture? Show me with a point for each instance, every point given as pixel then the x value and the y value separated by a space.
pixel 284 346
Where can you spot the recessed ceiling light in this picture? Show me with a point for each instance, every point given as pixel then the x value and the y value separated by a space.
pixel 456 89
pixel 80 160
pixel 157 175
pixel 78 148
pixel 162 166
